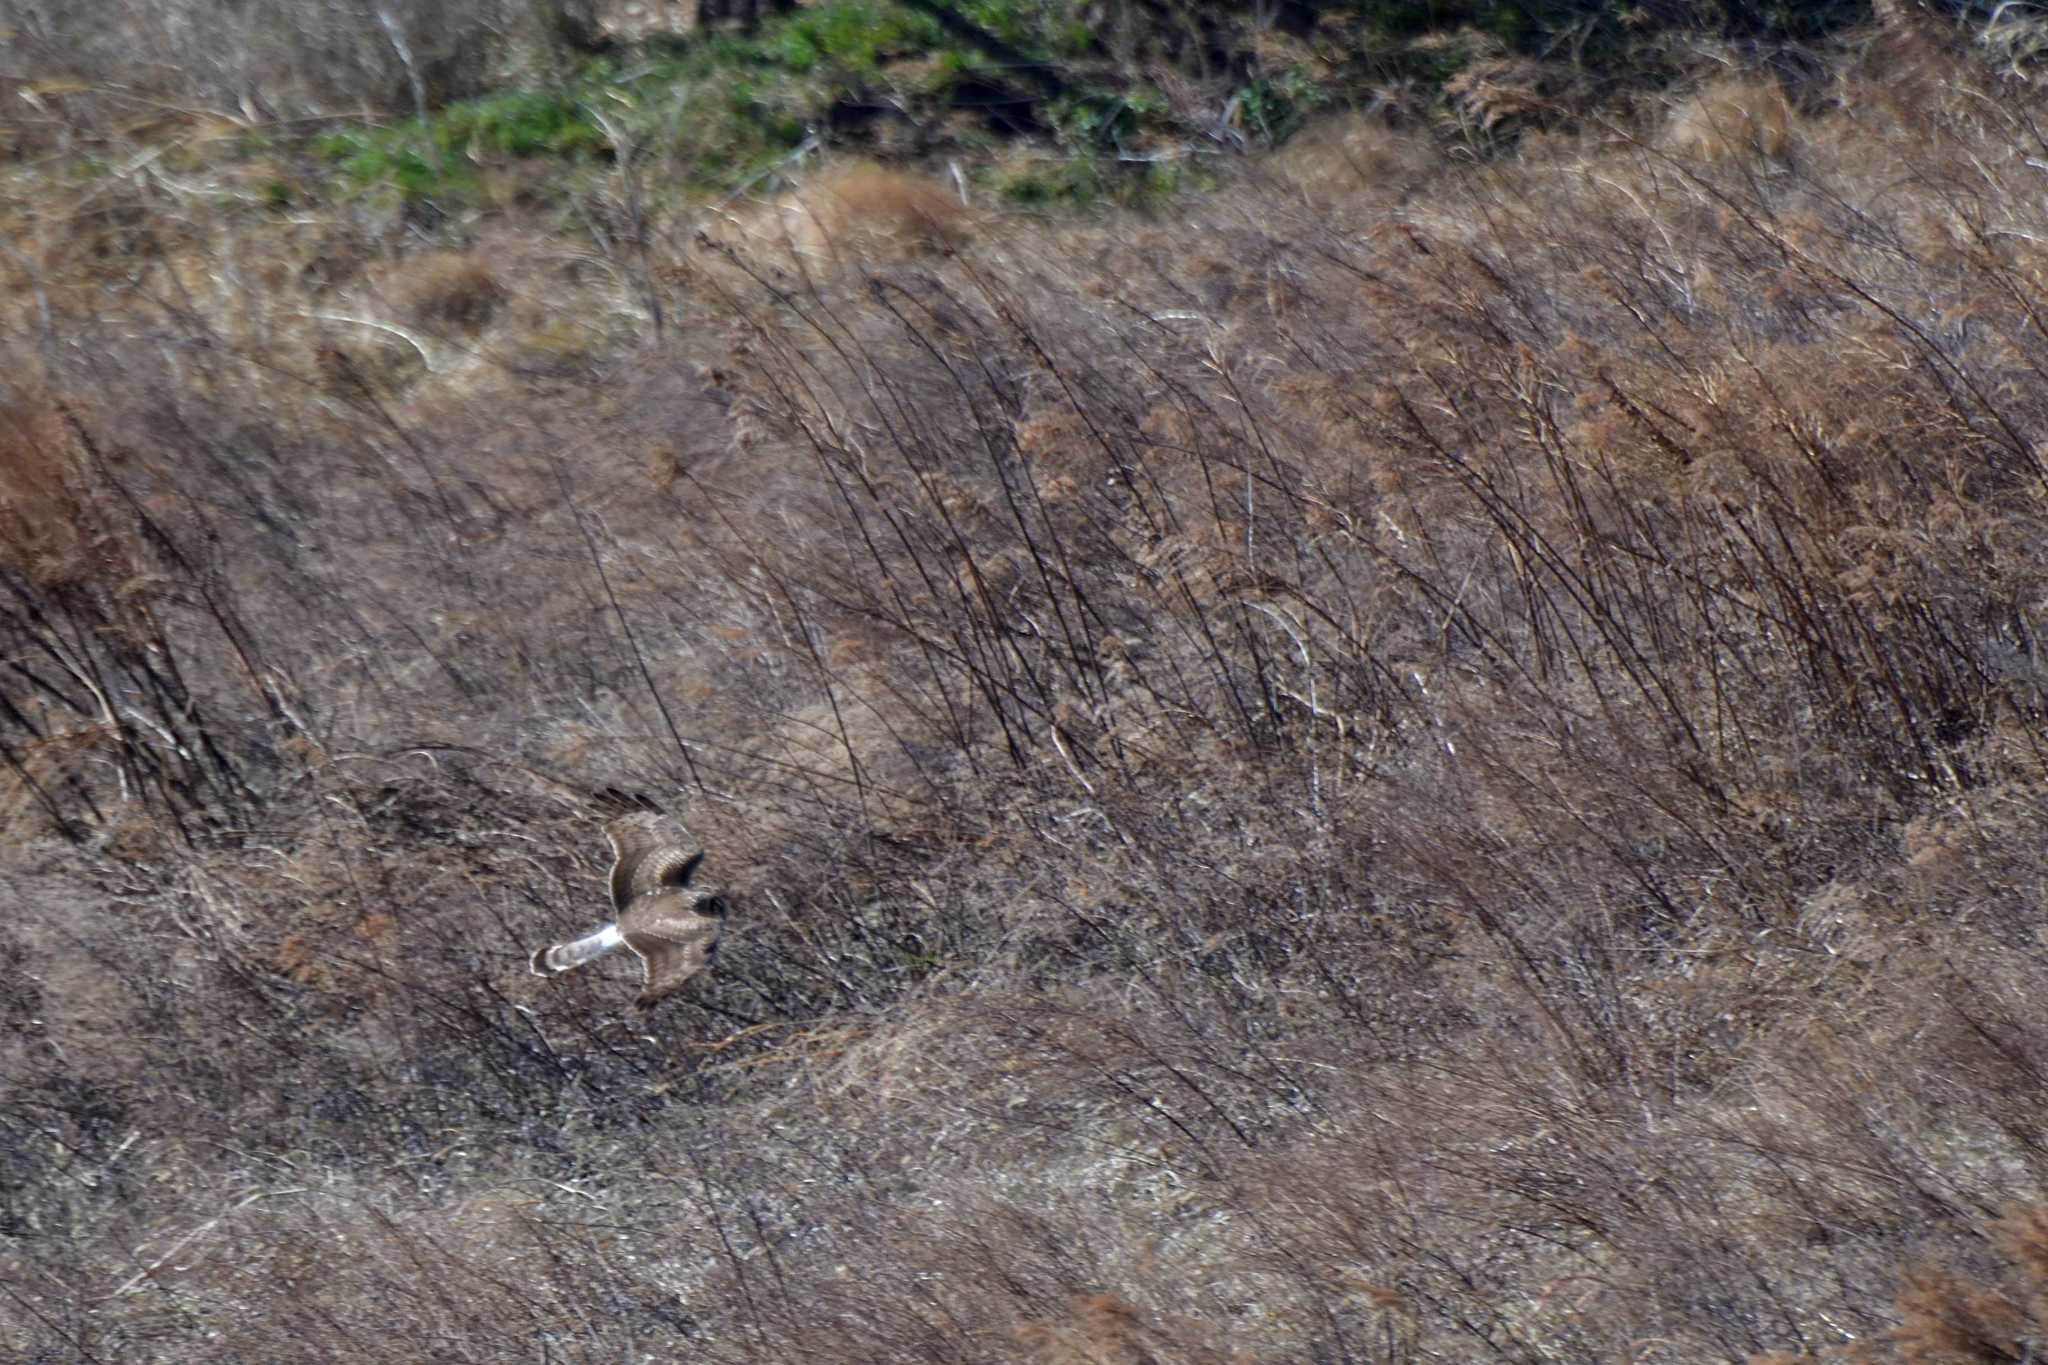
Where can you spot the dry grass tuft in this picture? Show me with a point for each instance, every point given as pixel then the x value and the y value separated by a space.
pixel 1732 121
pixel 456 290
pixel 1499 94
pixel 1341 161
pixel 1102 1329
pixel 52 527
pixel 863 211
pixel 1948 1319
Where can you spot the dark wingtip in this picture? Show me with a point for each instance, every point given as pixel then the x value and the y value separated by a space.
pixel 681 876
pixel 538 963
pixel 619 801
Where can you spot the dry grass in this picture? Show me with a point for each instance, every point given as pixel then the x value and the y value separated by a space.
pixel 1341 161
pixel 179 63
pixel 53 531
pixel 1402 777
pixel 1732 121
pixel 458 291
pixel 854 213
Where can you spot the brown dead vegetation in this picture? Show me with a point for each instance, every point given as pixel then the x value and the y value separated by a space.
pixel 852 214
pixel 1435 778
pixel 1732 121
pixel 1341 161
pixel 457 291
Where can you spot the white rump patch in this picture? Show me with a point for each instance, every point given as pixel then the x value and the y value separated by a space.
pixel 567 955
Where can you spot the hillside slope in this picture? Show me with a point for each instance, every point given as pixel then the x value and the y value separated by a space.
pixel 1414 756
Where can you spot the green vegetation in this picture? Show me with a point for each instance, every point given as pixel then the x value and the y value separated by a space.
pixel 717 108
pixel 438 157
pixel 1061 182
pixel 850 38
pixel 1273 109
pixel 1094 124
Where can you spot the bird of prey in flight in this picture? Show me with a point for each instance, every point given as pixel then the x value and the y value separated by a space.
pixel 672 927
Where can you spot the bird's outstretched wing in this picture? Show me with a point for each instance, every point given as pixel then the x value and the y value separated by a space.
pixel 676 937
pixel 651 853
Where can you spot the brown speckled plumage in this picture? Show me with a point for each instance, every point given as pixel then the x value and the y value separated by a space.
pixel 672 926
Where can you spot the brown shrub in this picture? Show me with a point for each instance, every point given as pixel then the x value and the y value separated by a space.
pixel 1340 160
pixel 1949 1319
pixel 448 289
pixel 1102 1329
pixel 864 210
pixel 1504 92
pixel 51 528
pixel 2021 1236
pixel 1733 120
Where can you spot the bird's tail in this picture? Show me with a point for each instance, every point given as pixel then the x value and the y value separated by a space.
pixel 566 956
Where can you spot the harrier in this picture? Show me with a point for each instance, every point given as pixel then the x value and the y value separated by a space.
pixel 672 928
